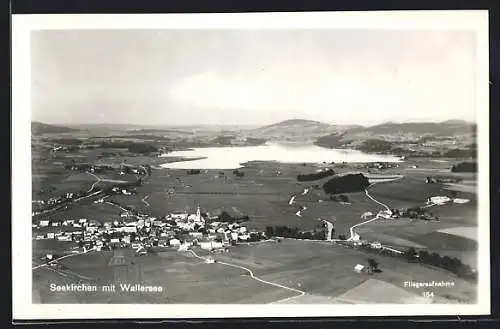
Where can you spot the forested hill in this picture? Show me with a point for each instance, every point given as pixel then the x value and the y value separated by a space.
pixel 38 128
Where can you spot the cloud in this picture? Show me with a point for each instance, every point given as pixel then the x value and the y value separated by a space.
pixel 342 93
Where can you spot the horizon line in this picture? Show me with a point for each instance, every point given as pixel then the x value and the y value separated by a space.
pixel 243 124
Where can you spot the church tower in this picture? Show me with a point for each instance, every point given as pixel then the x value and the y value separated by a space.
pixel 198 214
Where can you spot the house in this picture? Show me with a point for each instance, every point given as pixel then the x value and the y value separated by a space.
pixel 386 214
pixel 460 200
pixel 359 268
pixel 43 223
pixel 64 238
pixel 184 247
pixel 129 229
pixel 209 260
pixel 355 237
pixel 439 200
pixel 376 245
pixel 174 242
pixel 366 215
pixel 196 234
pixel 244 237
pixel 179 215
pixel 51 236
pixel 210 245
pixel 55 224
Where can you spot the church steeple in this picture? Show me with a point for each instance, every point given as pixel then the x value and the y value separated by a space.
pixel 198 214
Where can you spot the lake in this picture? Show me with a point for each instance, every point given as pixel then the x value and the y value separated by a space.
pixel 234 157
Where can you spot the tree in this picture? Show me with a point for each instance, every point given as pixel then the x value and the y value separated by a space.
pixel 410 253
pixel 225 217
pixel 373 265
pixel 343 198
pixel 269 231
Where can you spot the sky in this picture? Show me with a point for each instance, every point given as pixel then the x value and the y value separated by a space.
pixel 252 77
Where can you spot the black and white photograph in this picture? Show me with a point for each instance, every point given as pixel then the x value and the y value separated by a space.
pixel 335 165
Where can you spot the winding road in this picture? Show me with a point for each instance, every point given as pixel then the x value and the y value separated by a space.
pixel 351 229
pixel 300 292
pixel 144 200
pixel 66 256
pixel 93 185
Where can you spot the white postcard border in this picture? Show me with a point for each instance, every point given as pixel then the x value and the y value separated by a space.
pixel 22 25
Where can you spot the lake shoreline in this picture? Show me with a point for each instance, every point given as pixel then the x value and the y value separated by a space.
pixel 236 157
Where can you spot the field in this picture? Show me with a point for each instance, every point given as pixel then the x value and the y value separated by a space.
pixel 376 291
pixel 323 271
pixel 184 279
pixel 326 270
pixel 87 209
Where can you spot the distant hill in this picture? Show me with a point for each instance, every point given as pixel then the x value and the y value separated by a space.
pixel 38 128
pixel 406 138
pixel 298 129
pixel 162 131
pixel 445 128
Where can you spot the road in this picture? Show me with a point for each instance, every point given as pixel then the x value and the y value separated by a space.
pixel 97 181
pixel 351 229
pixel 113 204
pixel 144 200
pixel 300 292
pixel 66 256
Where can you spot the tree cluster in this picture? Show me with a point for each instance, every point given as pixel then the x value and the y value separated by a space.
pixel 453 265
pixel 465 167
pixel 375 145
pixel 294 232
pixel 225 217
pixel 346 184
pixel 339 198
pixel 315 176
pixel 238 173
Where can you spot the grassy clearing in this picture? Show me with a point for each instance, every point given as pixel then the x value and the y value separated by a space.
pixel 380 292
pixel 462 231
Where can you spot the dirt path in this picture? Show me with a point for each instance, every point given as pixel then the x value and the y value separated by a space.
pixel 97 181
pixel 144 200
pixel 66 256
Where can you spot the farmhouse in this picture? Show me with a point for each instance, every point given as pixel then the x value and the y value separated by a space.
pixel 174 242
pixel 43 223
pixel 359 268
pixel 209 260
pixel 366 215
pixel 386 214
pixel 439 200
pixel 210 245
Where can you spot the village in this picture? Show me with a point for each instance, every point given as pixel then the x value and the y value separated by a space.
pixel 142 233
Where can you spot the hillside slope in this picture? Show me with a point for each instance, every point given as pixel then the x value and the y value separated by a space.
pixel 38 128
pixel 297 130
